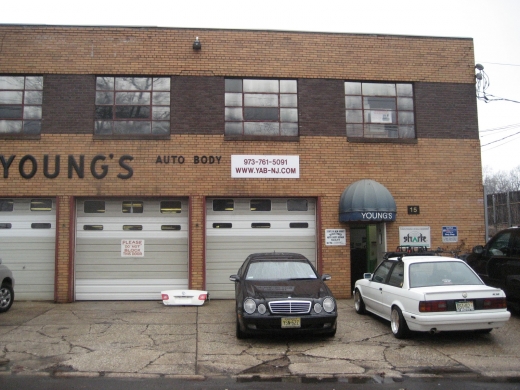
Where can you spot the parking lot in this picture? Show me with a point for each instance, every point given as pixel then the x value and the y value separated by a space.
pixel 147 339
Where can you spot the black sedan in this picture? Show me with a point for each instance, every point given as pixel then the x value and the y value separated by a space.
pixel 282 293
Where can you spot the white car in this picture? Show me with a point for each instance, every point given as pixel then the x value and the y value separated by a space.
pixel 430 294
pixel 6 288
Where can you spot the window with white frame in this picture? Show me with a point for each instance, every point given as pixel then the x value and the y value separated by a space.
pixel 256 107
pixel 21 105
pixel 379 110
pixel 132 106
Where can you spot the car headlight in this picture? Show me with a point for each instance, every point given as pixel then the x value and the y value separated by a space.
pixel 249 306
pixel 329 305
pixel 318 308
pixel 261 308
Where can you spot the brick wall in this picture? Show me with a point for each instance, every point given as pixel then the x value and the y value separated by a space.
pixel 442 176
pixel 164 51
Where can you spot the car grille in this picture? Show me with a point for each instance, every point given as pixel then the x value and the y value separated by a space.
pixel 290 307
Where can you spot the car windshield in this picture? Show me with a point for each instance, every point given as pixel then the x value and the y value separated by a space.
pixel 280 270
pixel 441 273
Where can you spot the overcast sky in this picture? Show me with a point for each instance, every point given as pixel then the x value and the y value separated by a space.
pixel 493 24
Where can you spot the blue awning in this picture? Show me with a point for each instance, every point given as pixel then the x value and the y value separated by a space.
pixel 367 201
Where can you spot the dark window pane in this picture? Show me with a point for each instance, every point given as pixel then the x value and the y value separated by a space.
pixel 32 127
pixel 171 206
pixel 132 227
pixel 260 205
pixel 130 112
pixel 170 227
pixel 5 226
pixel 92 227
pixel 94 206
pixel 233 85
pixel 40 225
pixel 261 225
pixel 6 205
pixel 297 205
pixel 104 112
pixel 41 204
pixel 9 112
pixel 222 225
pixel 223 205
pixel 299 225
pixel 261 114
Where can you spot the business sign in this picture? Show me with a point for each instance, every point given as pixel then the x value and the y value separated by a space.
pixel 132 248
pixel 450 234
pixel 367 216
pixel 414 236
pixel 265 166
pixel 335 237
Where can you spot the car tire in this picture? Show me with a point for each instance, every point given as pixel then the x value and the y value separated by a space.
pixel 359 305
pixel 398 323
pixel 6 298
pixel 240 335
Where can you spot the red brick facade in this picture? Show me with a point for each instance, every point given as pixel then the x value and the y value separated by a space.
pixel 440 170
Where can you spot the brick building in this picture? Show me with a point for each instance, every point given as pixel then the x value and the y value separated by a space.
pixel 134 161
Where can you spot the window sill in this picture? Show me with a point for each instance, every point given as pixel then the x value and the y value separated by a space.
pixel 261 138
pixel 408 141
pixel 131 137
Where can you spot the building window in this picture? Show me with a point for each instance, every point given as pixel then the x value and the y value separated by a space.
pixel 377 110
pixel 132 106
pixel 261 107
pixel 41 204
pixel 297 205
pixel 94 206
pixel 6 205
pixel 260 205
pixel 132 207
pixel 171 206
pixel 21 105
pixel 223 205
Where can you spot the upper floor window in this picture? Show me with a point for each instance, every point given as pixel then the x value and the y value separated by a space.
pixel 377 110
pixel 261 107
pixel 132 106
pixel 21 105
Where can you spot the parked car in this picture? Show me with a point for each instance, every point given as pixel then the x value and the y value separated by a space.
pixel 6 288
pixel 498 263
pixel 282 293
pixel 430 294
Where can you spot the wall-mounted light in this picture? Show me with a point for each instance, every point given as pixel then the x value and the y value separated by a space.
pixel 196 44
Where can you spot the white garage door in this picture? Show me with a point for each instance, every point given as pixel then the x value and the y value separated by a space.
pixel 28 245
pixel 235 228
pixel 130 249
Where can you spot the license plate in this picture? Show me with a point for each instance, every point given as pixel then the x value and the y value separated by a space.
pixel 294 322
pixel 464 306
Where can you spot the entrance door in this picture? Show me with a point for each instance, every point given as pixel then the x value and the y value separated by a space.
pixel 367 247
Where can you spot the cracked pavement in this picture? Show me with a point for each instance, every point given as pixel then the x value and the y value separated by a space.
pixel 147 339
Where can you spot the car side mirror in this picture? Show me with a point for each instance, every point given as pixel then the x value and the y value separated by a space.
pixel 478 250
pixel 234 278
pixel 367 275
pixel 326 277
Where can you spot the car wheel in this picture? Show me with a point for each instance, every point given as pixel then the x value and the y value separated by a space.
pixel 359 305
pixel 398 323
pixel 6 298
pixel 240 335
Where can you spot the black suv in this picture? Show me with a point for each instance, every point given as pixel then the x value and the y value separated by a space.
pixel 498 263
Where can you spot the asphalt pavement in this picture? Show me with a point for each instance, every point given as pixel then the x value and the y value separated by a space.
pixel 146 339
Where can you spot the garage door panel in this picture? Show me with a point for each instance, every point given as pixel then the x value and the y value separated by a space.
pixel 99 257
pixel 29 252
pixel 231 237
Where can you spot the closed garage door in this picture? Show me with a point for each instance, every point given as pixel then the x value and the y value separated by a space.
pixel 28 245
pixel 130 249
pixel 236 228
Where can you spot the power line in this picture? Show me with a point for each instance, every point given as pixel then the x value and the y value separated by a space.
pixel 501 139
